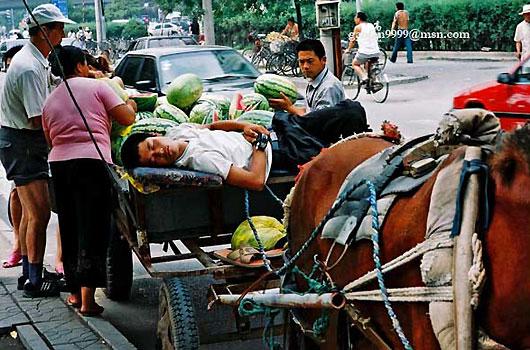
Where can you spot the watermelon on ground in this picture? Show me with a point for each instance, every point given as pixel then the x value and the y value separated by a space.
pixel 185 90
pixel 170 112
pixel 270 86
pixel 145 102
pixel 143 115
pixel 257 117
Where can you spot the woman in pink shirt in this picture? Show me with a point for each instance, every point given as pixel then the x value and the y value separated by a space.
pixel 82 184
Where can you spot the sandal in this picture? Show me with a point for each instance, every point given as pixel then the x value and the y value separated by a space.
pixel 14 259
pixel 69 302
pixel 94 312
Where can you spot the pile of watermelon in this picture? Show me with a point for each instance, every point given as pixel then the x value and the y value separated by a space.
pixel 186 102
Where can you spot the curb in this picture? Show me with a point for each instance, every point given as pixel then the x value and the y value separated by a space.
pixel 103 328
pixel 30 338
pixel 407 80
pixel 470 59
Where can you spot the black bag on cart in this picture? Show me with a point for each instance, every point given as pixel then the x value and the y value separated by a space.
pixel 301 138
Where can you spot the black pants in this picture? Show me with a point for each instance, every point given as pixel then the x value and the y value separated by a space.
pixel 84 203
pixel 301 138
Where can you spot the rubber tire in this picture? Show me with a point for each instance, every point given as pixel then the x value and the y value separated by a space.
pixel 119 266
pixel 175 300
pixel 349 78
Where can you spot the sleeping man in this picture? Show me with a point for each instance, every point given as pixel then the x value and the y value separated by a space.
pixel 243 153
pixel 241 159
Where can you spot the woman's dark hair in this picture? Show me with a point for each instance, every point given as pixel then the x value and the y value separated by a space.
pixel 290 19
pixel 11 52
pixel 69 56
pixel 362 16
pixel 400 6
pixel 130 156
pixel 312 45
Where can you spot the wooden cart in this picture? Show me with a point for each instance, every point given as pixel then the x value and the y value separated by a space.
pixel 190 209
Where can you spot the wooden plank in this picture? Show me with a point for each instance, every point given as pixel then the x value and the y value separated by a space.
pixel 204 258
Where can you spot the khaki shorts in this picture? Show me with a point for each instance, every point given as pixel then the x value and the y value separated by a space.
pixel 362 58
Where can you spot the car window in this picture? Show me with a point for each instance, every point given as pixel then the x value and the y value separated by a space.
pixel 206 64
pixel 165 42
pixel 148 72
pixel 142 44
pixel 129 70
pixel 168 26
pixel 158 26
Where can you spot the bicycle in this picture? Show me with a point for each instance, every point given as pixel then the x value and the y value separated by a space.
pixel 285 60
pixel 260 53
pixel 377 85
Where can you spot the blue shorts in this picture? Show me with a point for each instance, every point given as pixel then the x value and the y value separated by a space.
pixel 24 155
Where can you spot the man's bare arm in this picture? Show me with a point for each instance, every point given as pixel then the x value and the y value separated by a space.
pixel 253 179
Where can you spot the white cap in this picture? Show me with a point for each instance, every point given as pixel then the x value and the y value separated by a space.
pixel 526 9
pixel 47 13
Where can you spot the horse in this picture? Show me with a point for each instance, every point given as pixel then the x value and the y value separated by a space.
pixel 505 299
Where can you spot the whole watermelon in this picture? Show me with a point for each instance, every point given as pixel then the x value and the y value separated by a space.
pixel 201 111
pixel 222 103
pixel 115 148
pixel 162 100
pixel 143 115
pixel 170 112
pixel 270 231
pixel 255 101
pixel 270 86
pixel 153 126
pixel 257 117
pixel 185 90
pixel 145 102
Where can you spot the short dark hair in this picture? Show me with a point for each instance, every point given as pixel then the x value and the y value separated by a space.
pixel 33 31
pixel 11 52
pixel 290 19
pixel 69 57
pixel 311 45
pixel 130 156
pixel 400 5
pixel 362 16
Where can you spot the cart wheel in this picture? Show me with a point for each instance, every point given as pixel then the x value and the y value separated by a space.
pixel 119 266
pixel 176 327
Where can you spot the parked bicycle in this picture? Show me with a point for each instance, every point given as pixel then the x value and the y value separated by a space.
pixel 285 61
pixel 377 85
pixel 260 53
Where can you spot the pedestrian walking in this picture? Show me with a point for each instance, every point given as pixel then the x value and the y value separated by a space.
pixel 522 34
pixel 402 35
pixel 81 181
pixel 195 29
pixel 23 149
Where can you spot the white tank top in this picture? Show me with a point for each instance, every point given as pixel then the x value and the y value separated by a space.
pixel 367 39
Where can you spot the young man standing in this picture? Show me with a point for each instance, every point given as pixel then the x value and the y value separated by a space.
pixel 23 149
pixel 402 36
pixel 366 37
pixel 324 89
pixel 522 34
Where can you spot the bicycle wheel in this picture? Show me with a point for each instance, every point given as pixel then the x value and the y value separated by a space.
pixel 378 88
pixel 277 64
pixel 381 63
pixel 351 80
pixel 247 53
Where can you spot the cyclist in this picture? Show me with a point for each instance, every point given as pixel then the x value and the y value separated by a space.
pixel 366 37
pixel 291 29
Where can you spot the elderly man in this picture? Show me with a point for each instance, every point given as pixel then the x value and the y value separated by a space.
pixel 522 34
pixel 23 149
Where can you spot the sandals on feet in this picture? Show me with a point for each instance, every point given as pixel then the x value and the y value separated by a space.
pixel 71 303
pixel 14 259
pixel 96 311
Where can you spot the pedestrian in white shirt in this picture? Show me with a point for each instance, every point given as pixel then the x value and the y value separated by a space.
pixel 522 34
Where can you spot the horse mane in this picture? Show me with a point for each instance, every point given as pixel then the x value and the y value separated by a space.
pixel 514 151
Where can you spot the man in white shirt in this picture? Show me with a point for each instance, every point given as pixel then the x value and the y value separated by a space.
pixel 522 34
pixel 366 37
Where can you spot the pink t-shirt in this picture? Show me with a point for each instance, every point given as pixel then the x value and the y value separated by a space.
pixel 68 134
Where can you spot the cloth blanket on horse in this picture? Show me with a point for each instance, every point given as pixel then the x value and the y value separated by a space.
pixel 302 138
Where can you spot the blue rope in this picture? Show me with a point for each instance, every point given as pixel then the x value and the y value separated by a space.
pixel 256 236
pixel 384 292
pixel 275 197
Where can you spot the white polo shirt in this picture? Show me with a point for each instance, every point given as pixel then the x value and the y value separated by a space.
pixel 27 84
pixel 522 34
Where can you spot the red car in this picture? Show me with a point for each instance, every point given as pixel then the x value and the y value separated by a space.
pixel 508 97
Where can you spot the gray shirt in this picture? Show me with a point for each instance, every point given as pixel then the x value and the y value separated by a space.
pixel 27 84
pixel 325 91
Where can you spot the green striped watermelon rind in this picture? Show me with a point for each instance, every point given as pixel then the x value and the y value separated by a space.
pixel 170 112
pixel 257 117
pixel 144 115
pixel 145 102
pixel 153 126
pixel 222 102
pixel 256 101
pixel 201 111
pixel 270 86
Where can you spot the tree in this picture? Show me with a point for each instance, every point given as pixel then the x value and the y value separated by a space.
pixel 122 9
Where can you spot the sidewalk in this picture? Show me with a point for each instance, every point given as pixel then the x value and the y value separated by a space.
pixel 49 323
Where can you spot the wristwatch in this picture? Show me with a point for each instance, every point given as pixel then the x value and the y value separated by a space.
pixel 261 142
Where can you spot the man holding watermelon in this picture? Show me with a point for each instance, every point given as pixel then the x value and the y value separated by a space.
pixel 23 149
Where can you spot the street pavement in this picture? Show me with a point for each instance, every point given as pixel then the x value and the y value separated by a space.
pixel 416 107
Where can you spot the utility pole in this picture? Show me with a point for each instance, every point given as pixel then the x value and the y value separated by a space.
pixel 83 10
pixel 100 23
pixel 358 4
pixel 12 20
pixel 209 33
